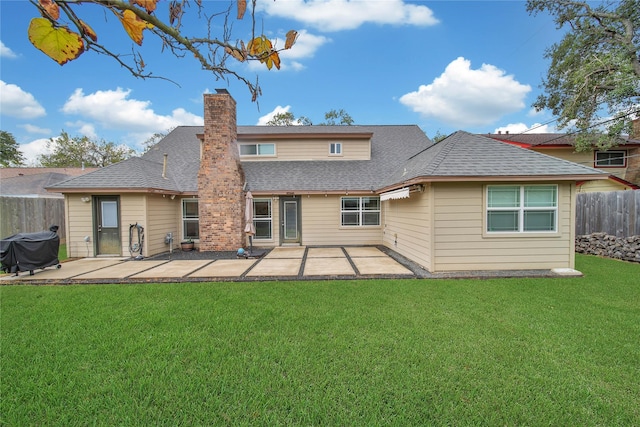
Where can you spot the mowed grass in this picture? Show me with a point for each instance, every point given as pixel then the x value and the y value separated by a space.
pixel 374 352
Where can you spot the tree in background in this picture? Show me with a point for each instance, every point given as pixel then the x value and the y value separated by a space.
pixel 594 76
pixel 10 154
pixel 62 34
pixel 331 117
pixel 82 151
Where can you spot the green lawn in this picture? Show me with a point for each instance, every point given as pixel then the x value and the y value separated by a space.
pixel 371 352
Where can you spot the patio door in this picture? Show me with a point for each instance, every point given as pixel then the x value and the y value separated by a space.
pixel 107 225
pixel 290 220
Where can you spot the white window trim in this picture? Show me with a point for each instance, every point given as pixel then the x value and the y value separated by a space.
pixel 624 159
pixel 185 218
pixel 338 147
pixel 360 212
pixel 270 219
pixel 521 209
pixel 257 145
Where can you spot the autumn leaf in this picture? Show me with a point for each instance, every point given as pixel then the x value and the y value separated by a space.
pixel 236 53
pixel 260 47
pixel 88 31
pixel 273 59
pixel 59 44
pixel 292 35
pixel 51 8
pixel 148 5
pixel 133 25
pixel 242 7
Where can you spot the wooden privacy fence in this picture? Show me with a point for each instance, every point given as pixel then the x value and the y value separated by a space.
pixel 611 212
pixel 30 214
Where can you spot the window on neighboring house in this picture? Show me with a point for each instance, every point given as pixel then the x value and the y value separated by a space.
pixel 262 219
pixel 522 209
pixel 257 149
pixel 360 211
pixel 335 148
pixel 190 219
pixel 611 159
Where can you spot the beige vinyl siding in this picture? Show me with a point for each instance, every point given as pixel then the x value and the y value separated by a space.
pixel 133 209
pixel 407 227
pixel 163 216
pixel 321 224
pixel 305 149
pixel 602 185
pixel 461 244
pixel 79 218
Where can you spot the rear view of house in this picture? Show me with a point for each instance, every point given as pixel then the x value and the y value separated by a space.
pixel 466 203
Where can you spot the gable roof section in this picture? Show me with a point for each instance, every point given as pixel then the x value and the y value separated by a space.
pixel 531 140
pixel 463 155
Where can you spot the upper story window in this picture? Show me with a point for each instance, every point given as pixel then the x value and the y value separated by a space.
pixel 522 208
pixel 359 211
pixel 611 159
pixel 257 149
pixel 335 148
pixel 190 219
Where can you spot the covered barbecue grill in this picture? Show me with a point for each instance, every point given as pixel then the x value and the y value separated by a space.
pixel 30 251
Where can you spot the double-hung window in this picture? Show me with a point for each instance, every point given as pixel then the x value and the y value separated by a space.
pixel 262 218
pixel 190 219
pixel 360 211
pixel 522 208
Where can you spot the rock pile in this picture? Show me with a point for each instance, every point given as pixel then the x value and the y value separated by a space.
pixel 602 244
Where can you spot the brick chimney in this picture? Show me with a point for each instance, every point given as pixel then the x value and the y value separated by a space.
pixel 220 178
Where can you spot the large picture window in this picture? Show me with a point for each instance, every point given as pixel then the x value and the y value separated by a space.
pixel 360 211
pixel 522 209
pixel 190 219
pixel 262 219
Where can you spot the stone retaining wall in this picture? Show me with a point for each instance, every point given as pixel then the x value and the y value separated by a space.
pixel 602 244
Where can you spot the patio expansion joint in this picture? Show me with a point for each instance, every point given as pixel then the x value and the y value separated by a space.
pixel 142 271
pixel 353 265
pixel 303 262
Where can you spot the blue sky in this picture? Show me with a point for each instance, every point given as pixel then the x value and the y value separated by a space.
pixel 443 65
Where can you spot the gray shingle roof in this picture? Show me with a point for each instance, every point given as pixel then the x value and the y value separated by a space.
pixel 463 154
pixel 551 139
pixel 398 154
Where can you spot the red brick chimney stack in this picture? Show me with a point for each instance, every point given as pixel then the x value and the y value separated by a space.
pixel 220 178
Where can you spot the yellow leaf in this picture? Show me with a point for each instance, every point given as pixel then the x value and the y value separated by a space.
pixel 260 47
pixel 133 25
pixel 59 44
pixel 242 7
pixel 149 5
pixel 274 59
pixel 88 31
pixel 292 35
pixel 51 8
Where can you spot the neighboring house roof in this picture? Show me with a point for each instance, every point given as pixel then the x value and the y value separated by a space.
pixel 531 140
pixel 32 182
pixel 398 154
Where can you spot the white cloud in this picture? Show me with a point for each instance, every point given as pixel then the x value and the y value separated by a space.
pixel 35 129
pixel 262 121
pixel 338 15
pixel 17 103
pixel 516 128
pixel 464 97
pixel 6 52
pixel 83 128
pixel 33 149
pixel 113 109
